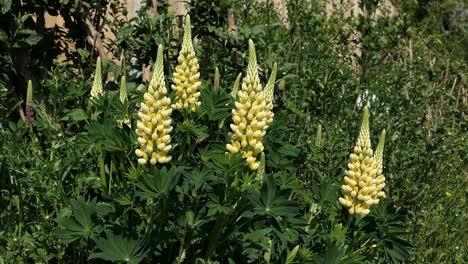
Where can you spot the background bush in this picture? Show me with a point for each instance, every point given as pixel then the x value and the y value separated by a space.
pixel 412 73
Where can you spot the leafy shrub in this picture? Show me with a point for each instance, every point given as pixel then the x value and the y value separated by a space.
pixel 72 190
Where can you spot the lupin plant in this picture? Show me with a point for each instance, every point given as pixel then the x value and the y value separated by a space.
pixel 154 126
pixel 360 180
pixel 29 101
pixel 250 116
pixel 186 74
pixel 97 90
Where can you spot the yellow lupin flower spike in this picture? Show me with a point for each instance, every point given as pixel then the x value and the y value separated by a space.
pixel 269 90
pixel 186 75
pixel 379 177
pixel 249 115
pixel 360 181
pixel 96 90
pixel 154 126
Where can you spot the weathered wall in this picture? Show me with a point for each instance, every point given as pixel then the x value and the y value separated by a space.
pixel 281 9
pixel 98 37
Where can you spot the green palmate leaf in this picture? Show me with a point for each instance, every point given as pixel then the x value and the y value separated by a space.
pixel 76 115
pixel 216 104
pixel 325 193
pixel 106 133
pixel 259 234
pixel 27 38
pixel 280 154
pixel 190 132
pixel 160 183
pixel 293 108
pixel 292 255
pixel 118 249
pixel 216 207
pixel 193 181
pixel 218 160
pixel 396 250
pixel 390 232
pixel 3 37
pixel 273 202
pixel 335 254
pixel 6 5
pixel 81 224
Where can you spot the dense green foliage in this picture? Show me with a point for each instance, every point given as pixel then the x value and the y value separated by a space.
pixel 71 190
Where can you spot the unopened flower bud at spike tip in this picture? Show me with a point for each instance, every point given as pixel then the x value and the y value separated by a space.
pixel 29 93
pixel 272 79
pixel 123 99
pixel 123 90
pixel 380 147
pixel 217 79
pixel 364 134
pixel 270 86
pixel 187 41
pixel 159 65
pixel 97 90
pixel 318 136
pixel 235 87
pixel 29 101
pixel 252 66
pixel 378 168
pixel 261 167
pixel 268 92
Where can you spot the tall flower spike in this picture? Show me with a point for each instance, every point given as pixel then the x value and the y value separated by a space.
pixel 187 75
pixel 318 136
pixel 217 79
pixel 249 115
pixel 97 90
pixel 29 101
pixel 29 94
pixel 123 99
pixel 378 165
pixel 123 90
pixel 269 90
pixel 261 168
pixel 360 181
pixel 235 86
pixel 154 126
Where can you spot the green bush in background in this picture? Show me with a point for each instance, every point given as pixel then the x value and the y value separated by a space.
pixel 206 207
